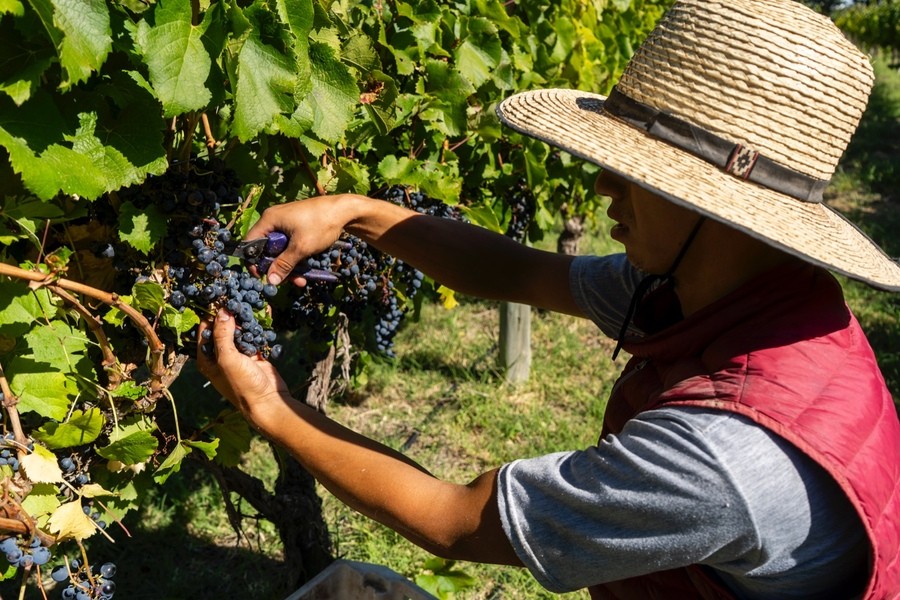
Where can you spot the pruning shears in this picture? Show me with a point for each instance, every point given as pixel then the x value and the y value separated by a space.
pixel 262 251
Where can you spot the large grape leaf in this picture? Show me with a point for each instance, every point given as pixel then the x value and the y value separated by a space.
pixel 80 429
pixel 479 53
pixel 56 342
pixel 176 58
pixel 132 441
pixel 55 155
pixel 234 437
pixel 45 389
pixel 330 105
pixel 131 449
pixel 21 305
pixel 264 71
pixel 69 522
pixel 81 32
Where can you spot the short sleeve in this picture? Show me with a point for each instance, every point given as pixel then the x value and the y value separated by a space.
pixel 654 497
pixel 602 287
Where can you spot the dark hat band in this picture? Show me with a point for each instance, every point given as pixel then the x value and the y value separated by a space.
pixel 736 159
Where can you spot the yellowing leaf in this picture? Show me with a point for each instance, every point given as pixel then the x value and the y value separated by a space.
pixel 69 522
pixel 94 490
pixel 448 297
pixel 41 466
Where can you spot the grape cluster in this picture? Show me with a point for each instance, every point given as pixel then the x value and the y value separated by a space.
pixel 522 206
pixel 373 288
pixel 211 283
pixel 199 272
pixel 84 584
pixel 19 555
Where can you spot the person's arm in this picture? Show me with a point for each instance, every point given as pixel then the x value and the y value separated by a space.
pixel 447 519
pixel 466 258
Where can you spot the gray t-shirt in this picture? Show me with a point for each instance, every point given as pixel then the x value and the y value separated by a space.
pixel 680 486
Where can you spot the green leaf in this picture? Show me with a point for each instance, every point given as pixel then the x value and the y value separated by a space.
pixel 41 501
pixel 20 305
pixel 82 428
pixel 30 134
pixel 55 342
pixel 129 389
pixel 179 322
pixel 400 171
pixel 116 317
pixel 350 176
pixel 41 388
pixel 81 32
pixel 115 170
pixel 53 154
pixel 141 228
pixel 172 464
pixel 176 59
pixel 330 105
pixel 12 7
pixel 234 437
pixel 207 448
pixel 265 77
pixel 483 216
pixel 479 54
pixel 131 449
pixel 148 295
pixel 31 66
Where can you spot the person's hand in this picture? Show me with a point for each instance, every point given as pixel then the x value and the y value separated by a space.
pixel 250 383
pixel 312 225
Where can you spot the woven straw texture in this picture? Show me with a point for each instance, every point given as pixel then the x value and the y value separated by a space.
pixel 769 74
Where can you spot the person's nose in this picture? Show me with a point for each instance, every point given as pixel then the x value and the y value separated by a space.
pixel 610 184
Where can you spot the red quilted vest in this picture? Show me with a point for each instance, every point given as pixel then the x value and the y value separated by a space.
pixel 785 351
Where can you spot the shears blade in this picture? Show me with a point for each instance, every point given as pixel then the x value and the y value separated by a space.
pixel 249 250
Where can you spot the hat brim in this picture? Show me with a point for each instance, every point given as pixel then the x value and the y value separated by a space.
pixel 575 122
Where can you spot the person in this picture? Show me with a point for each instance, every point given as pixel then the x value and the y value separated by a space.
pixel 750 448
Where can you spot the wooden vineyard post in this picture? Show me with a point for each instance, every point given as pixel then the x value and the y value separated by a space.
pixel 515 341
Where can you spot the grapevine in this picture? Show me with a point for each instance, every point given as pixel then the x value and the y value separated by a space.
pixel 138 141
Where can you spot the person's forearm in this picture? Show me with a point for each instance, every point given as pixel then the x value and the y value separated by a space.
pixel 449 520
pixel 464 257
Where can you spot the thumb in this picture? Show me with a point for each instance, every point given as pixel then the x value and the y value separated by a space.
pixel 282 265
pixel 223 335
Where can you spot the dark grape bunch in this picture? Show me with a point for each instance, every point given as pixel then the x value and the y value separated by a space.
pixel 84 583
pixel 522 206
pixel 372 289
pixel 9 449
pixel 209 282
pixel 19 554
pixel 199 273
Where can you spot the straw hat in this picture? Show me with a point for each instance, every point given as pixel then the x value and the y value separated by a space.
pixel 738 109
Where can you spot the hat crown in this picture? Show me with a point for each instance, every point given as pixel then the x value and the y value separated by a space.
pixel 769 74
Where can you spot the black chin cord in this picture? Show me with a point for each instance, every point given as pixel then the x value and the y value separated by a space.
pixel 648 281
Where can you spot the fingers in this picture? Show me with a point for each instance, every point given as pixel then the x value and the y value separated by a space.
pixel 283 264
pixel 223 337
